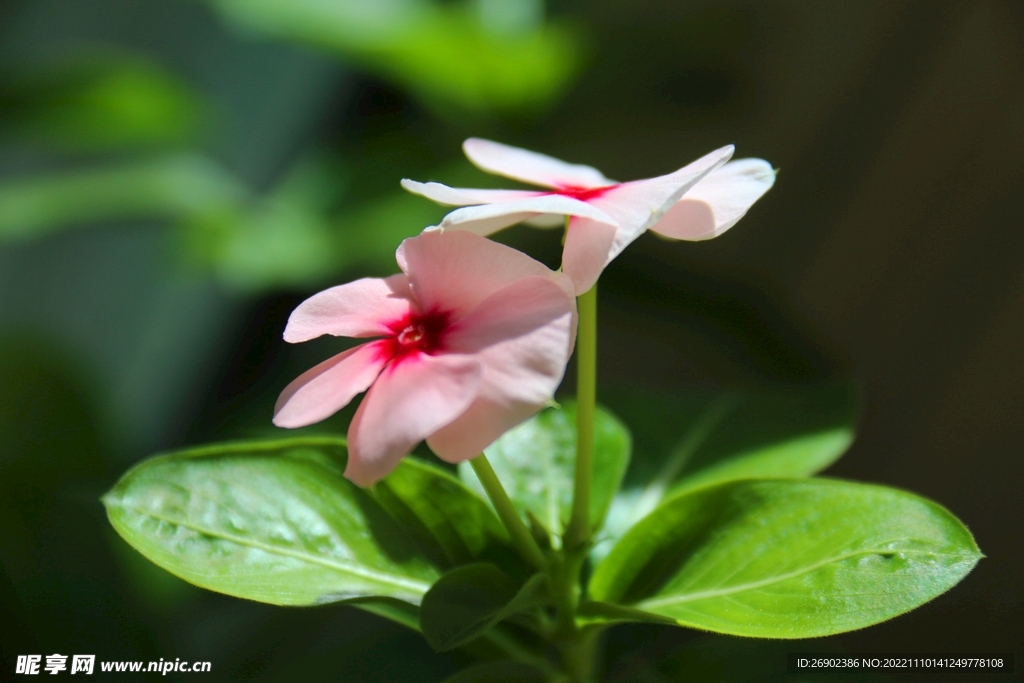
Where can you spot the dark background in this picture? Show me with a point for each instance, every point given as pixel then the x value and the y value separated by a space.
pixel 891 250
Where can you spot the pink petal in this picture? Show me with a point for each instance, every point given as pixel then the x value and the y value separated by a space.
pixel 455 196
pixel 510 213
pixel 454 270
pixel 409 401
pixel 635 206
pixel 328 387
pixel 717 202
pixel 587 250
pixel 477 428
pixel 357 309
pixel 530 167
pixel 522 336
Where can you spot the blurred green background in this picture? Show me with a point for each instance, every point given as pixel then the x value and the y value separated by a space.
pixel 176 175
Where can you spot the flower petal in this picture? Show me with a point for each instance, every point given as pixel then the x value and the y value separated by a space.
pixel 530 167
pixel 454 270
pixel 409 401
pixel 357 309
pixel 588 245
pixel 457 196
pixel 513 212
pixel 717 202
pixel 522 336
pixel 488 226
pixel 635 206
pixel 328 387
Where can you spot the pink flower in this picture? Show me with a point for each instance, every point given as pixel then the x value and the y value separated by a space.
pixel 474 337
pixel 697 202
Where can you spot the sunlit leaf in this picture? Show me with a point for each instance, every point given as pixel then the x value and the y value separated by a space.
pixel 695 438
pixel 443 52
pixel 455 525
pixel 273 521
pixel 536 462
pixel 464 603
pixel 795 558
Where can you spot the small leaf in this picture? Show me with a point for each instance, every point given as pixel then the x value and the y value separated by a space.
pixel 794 558
pixel 454 524
pixel 536 462
pixel 688 439
pixel 499 672
pixel 466 602
pixel 273 521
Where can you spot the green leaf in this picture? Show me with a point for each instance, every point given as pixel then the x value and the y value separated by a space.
pixel 168 187
pixel 499 672
pixel 273 521
pixel 466 602
pixel 396 610
pixel 786 558
pixel 536 462
pixel 689 439
pixel 99 101
pixel 440 51
pixel 453 523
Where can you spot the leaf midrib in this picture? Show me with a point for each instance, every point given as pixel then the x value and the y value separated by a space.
pixel 754 585
pixel 383 578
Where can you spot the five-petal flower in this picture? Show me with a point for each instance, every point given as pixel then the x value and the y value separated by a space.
pixel 474 338
pixel 699 201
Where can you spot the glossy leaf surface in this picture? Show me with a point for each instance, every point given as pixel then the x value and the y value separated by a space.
pixel 272 521
pixel 536 462
pixel 686 439
pixel 787 558
pixel 454 524
pixel 466 602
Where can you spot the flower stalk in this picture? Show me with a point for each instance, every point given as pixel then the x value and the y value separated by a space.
pixel 521 536
pixel 578 533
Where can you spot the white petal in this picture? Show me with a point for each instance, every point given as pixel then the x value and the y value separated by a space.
pixel 497 216
pixel 717 202
pixel 639 204
pixel 457 196
pixel 530 167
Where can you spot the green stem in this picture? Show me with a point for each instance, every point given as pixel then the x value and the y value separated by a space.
pixel 516 651
pixel 521 536
pixel 578 533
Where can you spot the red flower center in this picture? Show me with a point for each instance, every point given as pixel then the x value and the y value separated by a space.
pixel 412 335
pixel 417 333
pixel 582 193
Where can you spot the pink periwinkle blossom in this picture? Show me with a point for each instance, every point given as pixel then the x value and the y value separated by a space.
pixel 699 201
pixel 471 339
